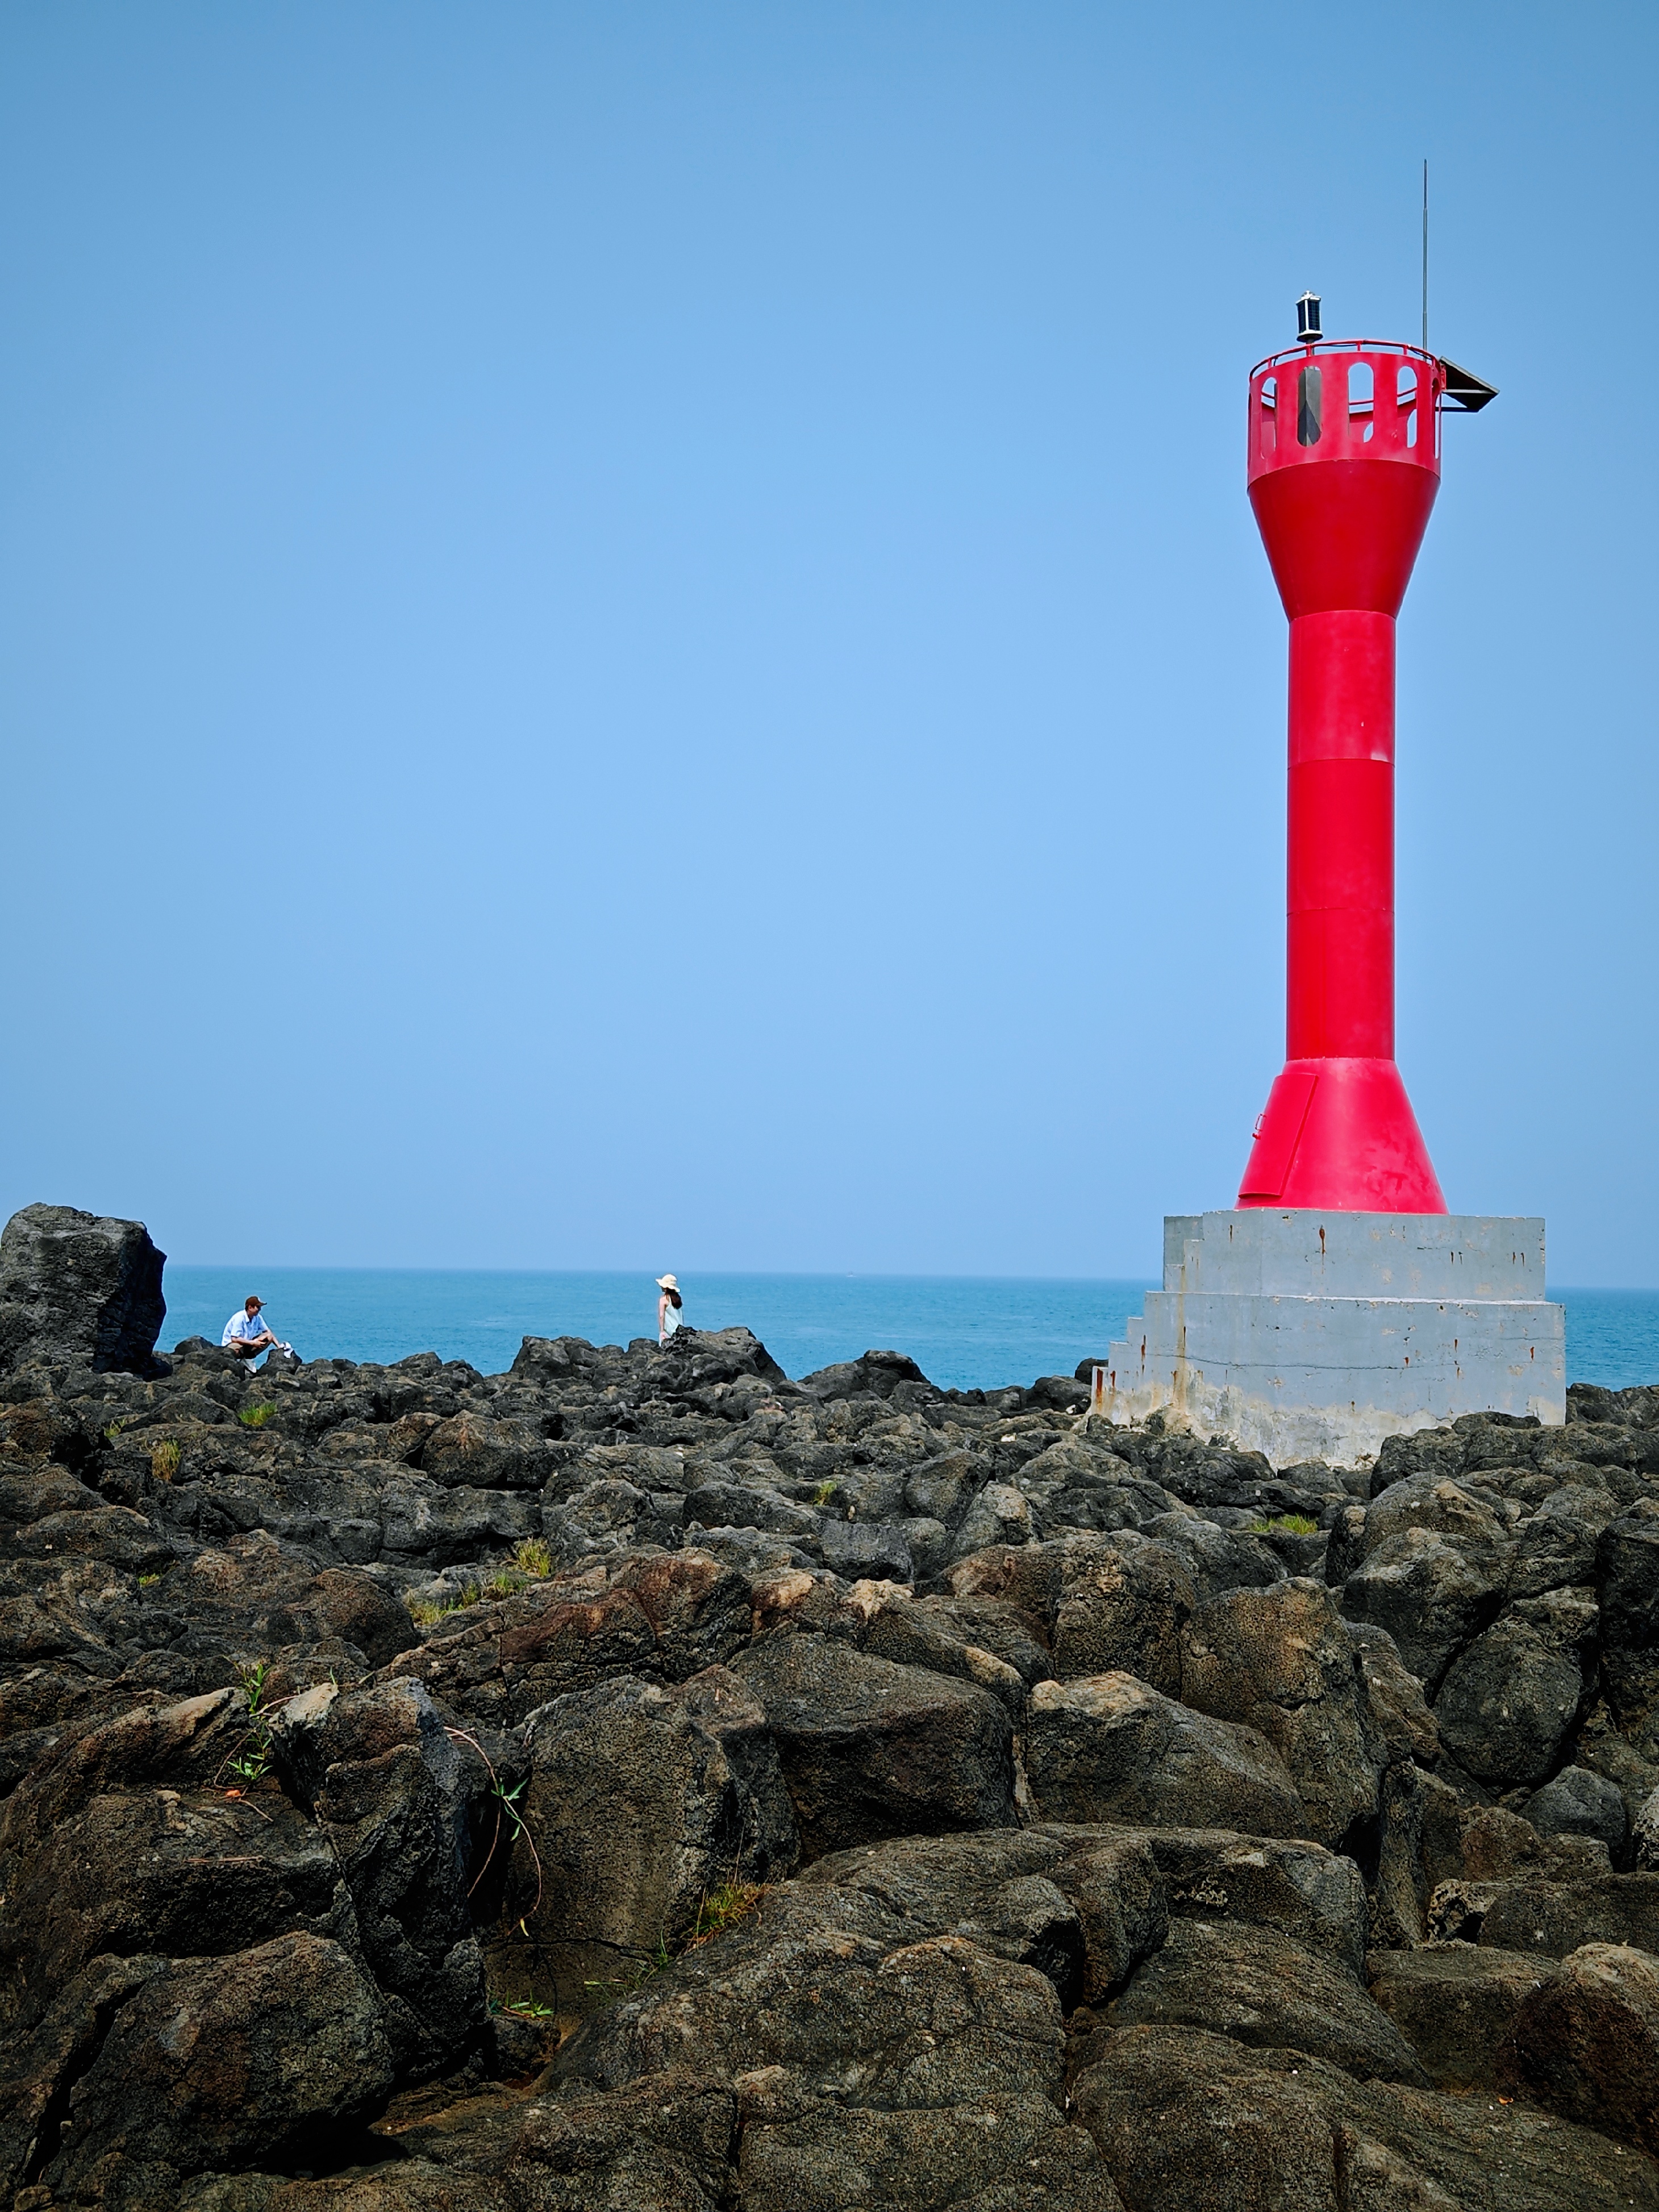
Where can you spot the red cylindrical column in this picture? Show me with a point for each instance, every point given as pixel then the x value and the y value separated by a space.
pixel 1343 466
pixel 1340 901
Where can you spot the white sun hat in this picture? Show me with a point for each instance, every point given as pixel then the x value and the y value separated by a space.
pixel 668 1282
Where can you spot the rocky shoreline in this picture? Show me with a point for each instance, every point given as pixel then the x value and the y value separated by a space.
pixel 638 1780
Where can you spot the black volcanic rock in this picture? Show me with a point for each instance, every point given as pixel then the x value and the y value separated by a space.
pixel 1261 1987
pixel 1191 2121
pixel 641 1781
pixel 1579 1804
pixel 1586 2042
pixel 643 1799
pixel 79 1290
pixel 869 1749
pixel 1282 1662
pixel 1109 1748
pixel 224 2062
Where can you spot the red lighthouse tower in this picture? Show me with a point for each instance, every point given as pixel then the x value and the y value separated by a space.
pixel 1340 1304
pixel 1343 466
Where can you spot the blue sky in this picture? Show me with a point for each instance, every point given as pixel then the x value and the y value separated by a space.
pixel 630 636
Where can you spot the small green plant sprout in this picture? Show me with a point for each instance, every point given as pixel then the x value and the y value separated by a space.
pixel 164 1460
pixel 255 1417
pixel 717 1910
pixel 426 1610
pixel 533 1558
pixel 148 1582
pixel 111 1432
pixel 505 1583
pixel 1286 1524
pixel 507 1808
pixel 824 1492
pixel 250 1762
pixel 648 1964
pixel 520 2008
pixel 469 1593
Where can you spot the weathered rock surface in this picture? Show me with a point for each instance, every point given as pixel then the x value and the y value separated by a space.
pixel 1109 1747
pixel 1316 1896
pixel 1281 1662
pixel 870 1749
pixel 1579 1804
pixel 1645 1836
pixel 1547 1918
pixel 1084 1906
pixel 640 1780
pixel 1586 2042
pixel 1509 1702
pixel 400 1793
pixel 1457 2005
pixel 643 1797
pixel 1189 2121
pixel 81 1289
pixel 1263 1988
pixel 223 2063
pixel 876 2068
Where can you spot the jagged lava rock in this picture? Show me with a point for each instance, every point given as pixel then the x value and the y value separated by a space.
pixel 1261 1987
pixel 643 1798
pixel 1110 1747
pixel 79 1290
pixel 339 1701
pixel 224 2062
pixel 869 1749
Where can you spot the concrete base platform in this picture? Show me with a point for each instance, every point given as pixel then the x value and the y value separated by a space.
pixel 1308 1335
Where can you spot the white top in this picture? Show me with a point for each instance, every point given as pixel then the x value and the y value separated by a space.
pixel 243 1325
pixel 671 1315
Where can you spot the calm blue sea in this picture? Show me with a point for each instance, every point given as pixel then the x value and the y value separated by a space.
pixel 964 1331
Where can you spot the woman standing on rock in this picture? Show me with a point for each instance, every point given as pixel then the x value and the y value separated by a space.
pixel 668 1307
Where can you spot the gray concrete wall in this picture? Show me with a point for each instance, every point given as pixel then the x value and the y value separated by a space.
pixel 1310 1335
pixel 1298 1253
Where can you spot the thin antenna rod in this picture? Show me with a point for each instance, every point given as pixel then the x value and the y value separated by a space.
pixel 1425 257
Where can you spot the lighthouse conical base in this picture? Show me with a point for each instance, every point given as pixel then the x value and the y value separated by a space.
pixel 1340 1134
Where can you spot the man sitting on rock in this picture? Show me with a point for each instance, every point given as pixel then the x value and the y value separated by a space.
pixel 245 1335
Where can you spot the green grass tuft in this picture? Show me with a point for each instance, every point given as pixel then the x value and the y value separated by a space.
pixel 426 1610
pixel 164 1460
pixel 533 1558
pixel 724 1908
pixel 255 1417
pixel 1286 1524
